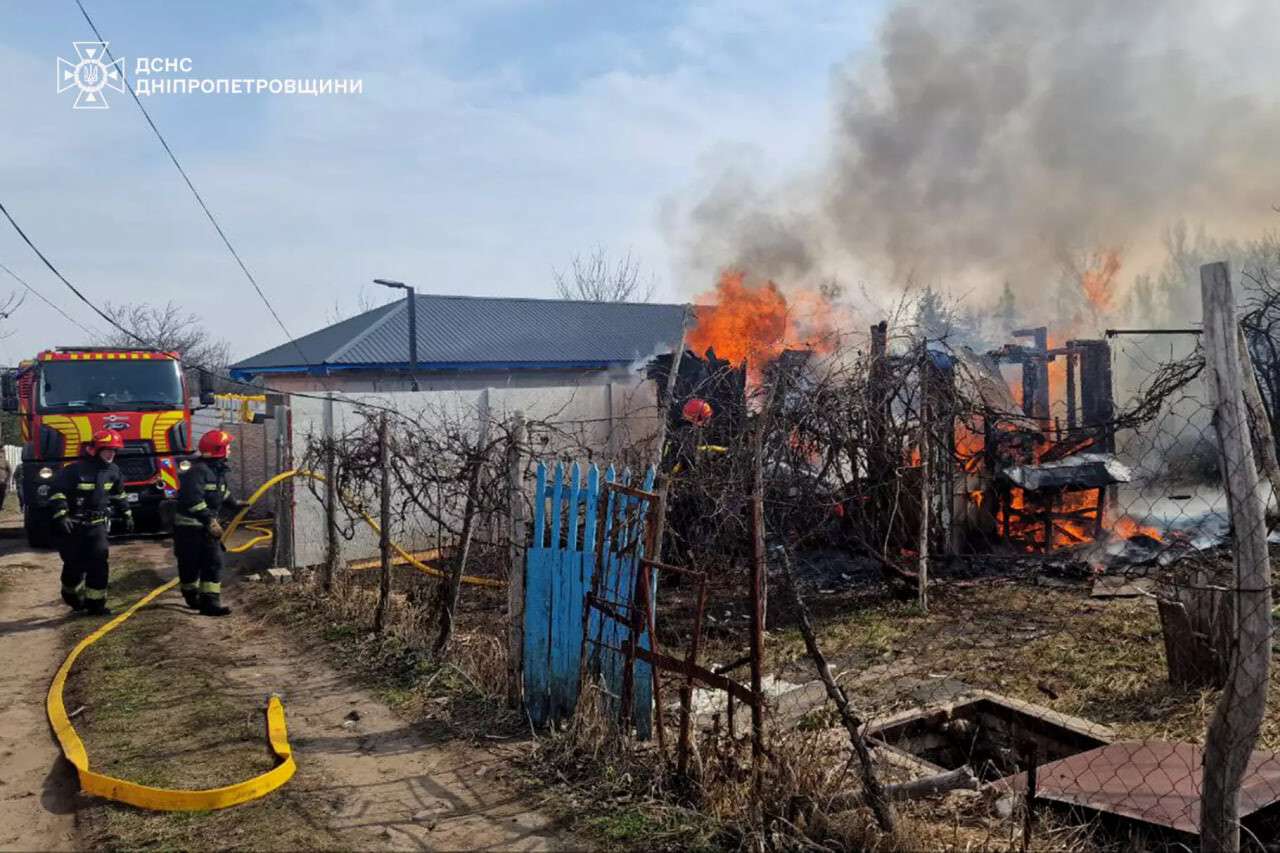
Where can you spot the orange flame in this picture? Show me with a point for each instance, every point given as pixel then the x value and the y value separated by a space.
pixel 755 323
pixel 1127 528
pixel 1096 280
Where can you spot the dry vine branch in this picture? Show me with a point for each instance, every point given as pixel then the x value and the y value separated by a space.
pixel 874 790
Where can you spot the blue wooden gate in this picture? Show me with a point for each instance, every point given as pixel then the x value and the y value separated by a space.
pixel 581 527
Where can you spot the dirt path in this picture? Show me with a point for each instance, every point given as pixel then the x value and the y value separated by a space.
pixel 388 784
pixel 37 789
pixel 365 776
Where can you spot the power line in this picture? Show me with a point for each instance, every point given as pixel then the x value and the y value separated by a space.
pixel 191 186
pixel 48 301
pixel 226 377
pixel 110 320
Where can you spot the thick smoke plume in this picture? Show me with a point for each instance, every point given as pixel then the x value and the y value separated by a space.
pixel 986 141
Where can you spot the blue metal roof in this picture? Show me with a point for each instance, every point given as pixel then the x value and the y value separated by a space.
pixel 472 332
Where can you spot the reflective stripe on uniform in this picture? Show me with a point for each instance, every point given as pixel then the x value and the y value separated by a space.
pixel 102 520
pixel 57 496
pixel 86 487
pixel 60 513
pixel 210 587
pixel 74 590
pixel 198 507
pixel 120 497
pixel 211 487
pixel 180 520
pixel 95 594
pixel 191 587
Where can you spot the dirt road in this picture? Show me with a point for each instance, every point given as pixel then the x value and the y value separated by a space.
pixel 37 789
pixel 366 778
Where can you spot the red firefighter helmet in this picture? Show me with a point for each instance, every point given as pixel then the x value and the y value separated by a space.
pixel 697 411
pixel 215 443
pixel 104 439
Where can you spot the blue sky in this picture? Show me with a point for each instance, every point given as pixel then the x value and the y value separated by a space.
pixel 493 140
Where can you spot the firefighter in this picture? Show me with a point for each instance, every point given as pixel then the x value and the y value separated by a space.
pixel 197 534
pixel 86 494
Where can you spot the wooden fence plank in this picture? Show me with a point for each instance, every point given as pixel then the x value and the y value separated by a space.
pixel 537 610
pixel 644 672
pixel 567 610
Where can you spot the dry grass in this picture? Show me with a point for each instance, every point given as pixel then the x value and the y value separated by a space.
pixel 155 713
pixel 465 690
pixel 1100 660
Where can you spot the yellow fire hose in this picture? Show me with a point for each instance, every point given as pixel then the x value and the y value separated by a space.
pixel 169 799
pixel 161 799
pixel 264 534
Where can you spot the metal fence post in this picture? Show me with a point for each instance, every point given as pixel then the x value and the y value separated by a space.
pixel 384 522
pixel 330 498
pixel 515 560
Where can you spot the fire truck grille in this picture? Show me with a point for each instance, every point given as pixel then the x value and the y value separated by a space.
pixel 136 462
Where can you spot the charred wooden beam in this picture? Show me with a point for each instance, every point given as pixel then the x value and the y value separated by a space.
pixel 1071 358
pixel 1097 394
pixel 1035 374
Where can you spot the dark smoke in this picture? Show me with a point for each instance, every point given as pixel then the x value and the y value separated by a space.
pixel 986 140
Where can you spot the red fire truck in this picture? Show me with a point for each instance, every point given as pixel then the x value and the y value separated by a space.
pixel 65 395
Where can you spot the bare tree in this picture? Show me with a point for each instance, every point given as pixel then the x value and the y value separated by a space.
pixel 593 278
pixel 8 307
pixel 168 327
pixel 365 302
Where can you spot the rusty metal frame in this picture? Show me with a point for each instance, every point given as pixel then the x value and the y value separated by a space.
pixel 640 614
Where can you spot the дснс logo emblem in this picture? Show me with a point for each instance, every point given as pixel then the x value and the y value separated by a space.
pixel 91 75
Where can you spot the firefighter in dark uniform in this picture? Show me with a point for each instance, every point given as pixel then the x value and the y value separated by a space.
pixel 197 534
pixel 86 494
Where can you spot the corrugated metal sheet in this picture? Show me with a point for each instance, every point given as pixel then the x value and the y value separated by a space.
pixel 465 330
pixel 1151 781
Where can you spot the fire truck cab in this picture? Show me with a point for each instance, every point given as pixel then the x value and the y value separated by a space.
pixel 65 395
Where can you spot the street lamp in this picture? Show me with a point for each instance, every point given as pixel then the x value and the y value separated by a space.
pixel 413 326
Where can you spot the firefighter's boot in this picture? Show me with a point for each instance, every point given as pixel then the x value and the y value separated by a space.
pixel 211 605
pixel 72 598
pixel 96 607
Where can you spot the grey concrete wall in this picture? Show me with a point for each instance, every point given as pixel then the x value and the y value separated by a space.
pixel 590 422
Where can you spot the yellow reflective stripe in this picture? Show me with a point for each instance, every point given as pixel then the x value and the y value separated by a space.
pixel 211 487
pixel 122 497
pixel 98 521
pixel 95 594
pixel 210 587
pixel 60 513
pixel 86 487
pixel 74 590
pixel 186 521
pixel 57 496
pixel 197 507
pixel 191 587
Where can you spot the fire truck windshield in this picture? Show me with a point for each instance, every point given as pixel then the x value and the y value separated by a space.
pixel 101 385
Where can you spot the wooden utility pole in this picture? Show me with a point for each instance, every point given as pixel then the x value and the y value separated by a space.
pixel 1233 731
pixel 759 572
pixel 384 523
pixel 515 561
pixel 922 566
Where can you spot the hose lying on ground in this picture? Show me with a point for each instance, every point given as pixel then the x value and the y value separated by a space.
pixel 144 796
